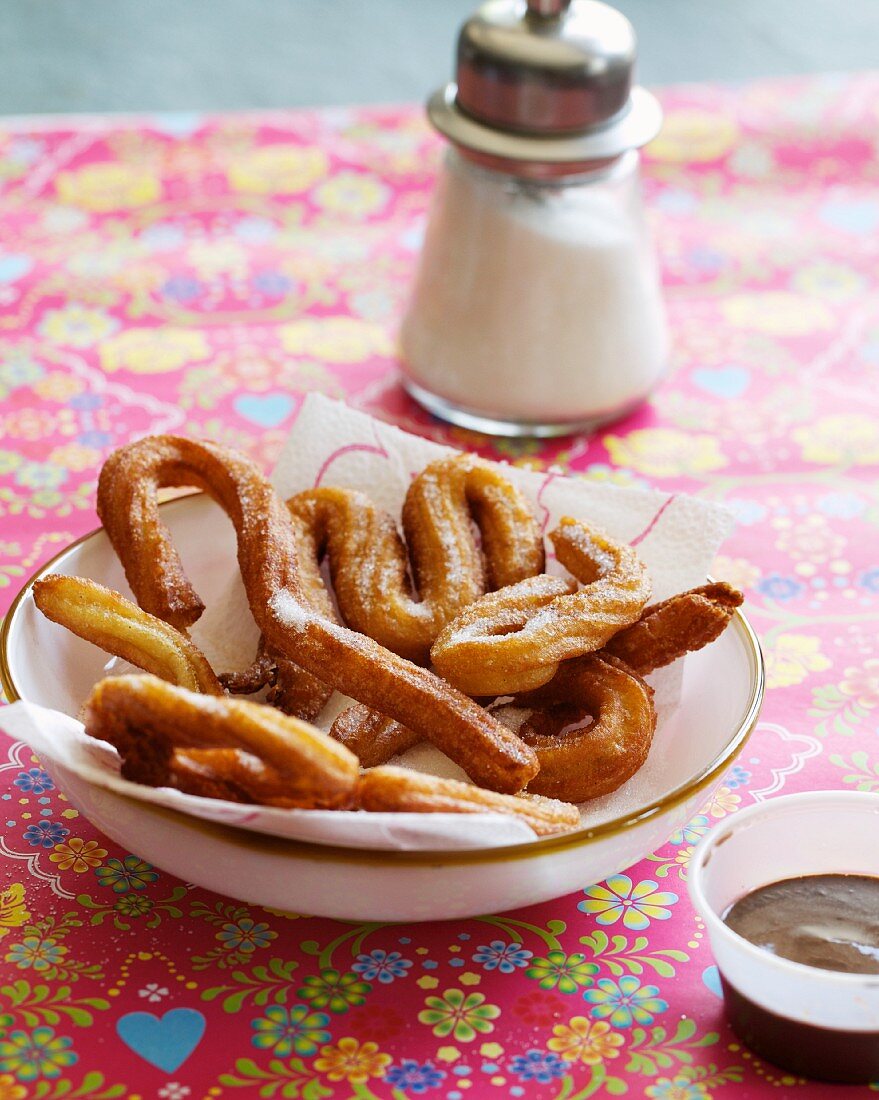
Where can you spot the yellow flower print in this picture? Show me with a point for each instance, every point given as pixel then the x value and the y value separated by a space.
pixel 684 855
pixel 737 571
pixel 678 1088
pixel 663 452
pixel 278 169
pixel 13 913
pixel 694 135
pixel 811 539
pixel 832 439
pixel 791 658
pixel 78 326
pixel 588 1041
pixel 352 193
pixel 78 855
pixel 105 261
pixel 724 802
pixel 600 472
pixel 58 386
pixel 351 1061
pixel 153 350
pixel 335 339
pixel 107 186
pixel 76 457
pixel 778 313
pixel 827 280
pixel 9 461
pixel 863 683
pixel 221 257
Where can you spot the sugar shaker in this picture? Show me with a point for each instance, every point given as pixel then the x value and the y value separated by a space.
pixel 536 307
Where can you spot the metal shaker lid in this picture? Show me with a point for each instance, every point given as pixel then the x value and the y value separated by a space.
pixel 546 81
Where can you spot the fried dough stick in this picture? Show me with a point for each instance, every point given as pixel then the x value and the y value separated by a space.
pixel 218 748
pixel 513 640
pixel 119 627
pixel 400 790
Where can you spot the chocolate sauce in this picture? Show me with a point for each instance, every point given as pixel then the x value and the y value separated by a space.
pixel 826 921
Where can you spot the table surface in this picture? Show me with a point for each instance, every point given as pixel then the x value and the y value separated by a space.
pixel 199 275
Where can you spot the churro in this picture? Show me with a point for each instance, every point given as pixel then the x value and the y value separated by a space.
pixel 400 790
pixel 119 627
pixel 229 748
pixel 513 640
pixel 682 624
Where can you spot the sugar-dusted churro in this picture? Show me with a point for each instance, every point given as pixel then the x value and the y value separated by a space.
pixel 400 790
pixel 513 640
pixel 221 747
pixel 682 624
pixel 110 621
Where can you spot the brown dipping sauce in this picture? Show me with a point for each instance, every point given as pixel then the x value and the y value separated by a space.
pixel 827 921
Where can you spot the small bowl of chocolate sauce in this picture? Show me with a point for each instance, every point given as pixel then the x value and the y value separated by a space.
pixel 789 892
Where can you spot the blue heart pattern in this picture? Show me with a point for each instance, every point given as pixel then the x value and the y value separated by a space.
pixel 855 216
pixel 164 1042
pixel 711 980
pixel 722 381
pixel 13 265
pixel 267 410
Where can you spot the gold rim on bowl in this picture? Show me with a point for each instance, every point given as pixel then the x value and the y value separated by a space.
pixel 339 853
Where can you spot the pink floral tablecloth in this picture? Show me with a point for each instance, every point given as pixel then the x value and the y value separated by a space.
pixel 199 275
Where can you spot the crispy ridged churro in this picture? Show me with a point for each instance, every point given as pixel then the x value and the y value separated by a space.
pixel 401 594
pixel 682 624
pixel 119 627
pixel 372 737
pixel 371 566
pixel 400 790
pixel 227 748
pixel 267 557
pixel 513 640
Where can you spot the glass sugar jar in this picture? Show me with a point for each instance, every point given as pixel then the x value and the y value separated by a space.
pixel 536 308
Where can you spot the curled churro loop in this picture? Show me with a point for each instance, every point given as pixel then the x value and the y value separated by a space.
pixel 106 619
pixel 226 748
pixel 513 640
pixel 267 556
pixel 400 790
pixel 595 732
pixel 450 569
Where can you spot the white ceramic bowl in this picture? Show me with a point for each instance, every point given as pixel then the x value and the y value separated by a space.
pixel 694 745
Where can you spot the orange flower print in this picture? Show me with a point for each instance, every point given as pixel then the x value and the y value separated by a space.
pixel 587 1041
pixel 862 683
pixel 351 1061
